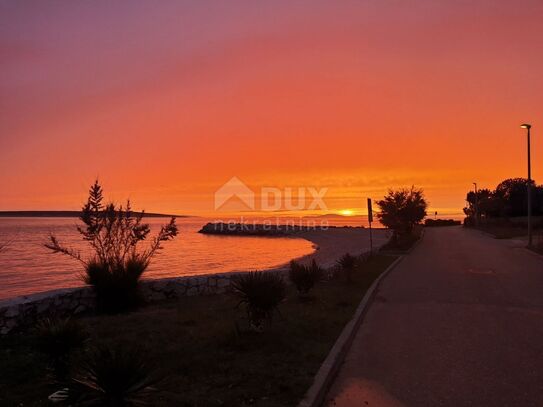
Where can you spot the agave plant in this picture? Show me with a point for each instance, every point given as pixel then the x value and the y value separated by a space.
pixel 261 292
pixel 304 277
pixel 116 285
pixel 58 338
pixel 114 377
pixel 347 263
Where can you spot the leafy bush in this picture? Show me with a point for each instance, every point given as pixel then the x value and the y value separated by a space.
pixel 114 377
pixel 401 210
pixel 261 292
pixel 116 265
pixel 347 263
pixel 304 277
pixel 58 338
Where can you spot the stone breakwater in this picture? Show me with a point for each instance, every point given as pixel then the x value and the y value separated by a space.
pixel 25 311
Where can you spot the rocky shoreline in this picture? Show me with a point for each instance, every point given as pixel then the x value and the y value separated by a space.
pixel 25 311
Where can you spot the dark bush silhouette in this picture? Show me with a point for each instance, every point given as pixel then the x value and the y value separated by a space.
pixel 305 277
pixel 116 265
pixel 261 292
pixel 115 377
pixel 488 204
pixel 346 264
pixel 441 222
pixel 58 338
pixel 116 286
pixel 401 210
pixel 509 199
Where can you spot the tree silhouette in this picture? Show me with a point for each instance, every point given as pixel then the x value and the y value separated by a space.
pixel 402 209
pixel 509 199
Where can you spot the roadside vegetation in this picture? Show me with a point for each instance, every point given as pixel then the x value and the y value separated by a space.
pixel 507 201
pixel 192 350
pixel 402 211
pixel 441 222
pixel 260 292
pixel 304 277
pixel 502 212
pixel 346 266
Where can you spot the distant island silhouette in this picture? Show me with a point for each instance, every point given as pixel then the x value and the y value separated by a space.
pixel 69 214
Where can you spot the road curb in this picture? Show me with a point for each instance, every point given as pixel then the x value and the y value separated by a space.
pixel 422 233
pixel 533 253
pixel 314 397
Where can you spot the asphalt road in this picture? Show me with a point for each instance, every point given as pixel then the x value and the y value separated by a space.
pixel 459 322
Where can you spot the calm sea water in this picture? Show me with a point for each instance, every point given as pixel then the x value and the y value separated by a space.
pixel 26 266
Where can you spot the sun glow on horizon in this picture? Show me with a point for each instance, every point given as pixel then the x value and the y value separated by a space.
pixel 346 212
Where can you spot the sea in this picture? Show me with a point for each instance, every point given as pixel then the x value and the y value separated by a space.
pixel 27 266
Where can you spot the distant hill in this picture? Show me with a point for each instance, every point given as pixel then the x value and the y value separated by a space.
pixel 67 214
pixel 336 215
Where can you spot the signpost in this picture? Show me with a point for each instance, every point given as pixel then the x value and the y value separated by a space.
pixel 370 219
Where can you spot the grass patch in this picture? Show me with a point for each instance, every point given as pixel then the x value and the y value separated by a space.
pixel 503 231
pixel 508 228
pixel 203 348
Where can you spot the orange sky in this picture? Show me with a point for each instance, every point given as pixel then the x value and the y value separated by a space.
pixel 167 101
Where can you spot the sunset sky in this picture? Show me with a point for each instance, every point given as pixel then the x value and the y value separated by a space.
pixel 166 101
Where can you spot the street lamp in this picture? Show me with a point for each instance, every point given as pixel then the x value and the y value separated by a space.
pixel 476 204
pixel 528 127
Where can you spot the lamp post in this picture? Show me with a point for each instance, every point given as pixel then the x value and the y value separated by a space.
pixel 476 205
pixel 529 187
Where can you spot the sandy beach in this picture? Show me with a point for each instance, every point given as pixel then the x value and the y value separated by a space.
pixel 333 243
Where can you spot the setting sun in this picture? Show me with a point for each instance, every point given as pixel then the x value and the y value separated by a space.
pixel 346 212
